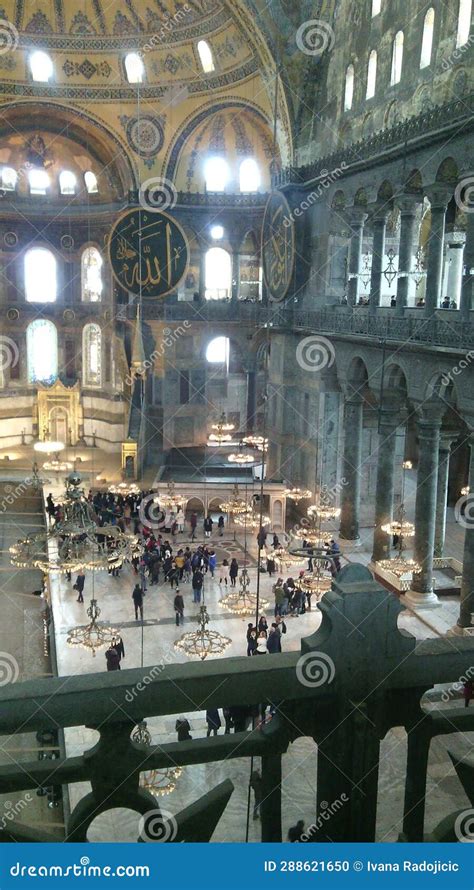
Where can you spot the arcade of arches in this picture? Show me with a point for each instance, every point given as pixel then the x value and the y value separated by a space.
pixel 330 354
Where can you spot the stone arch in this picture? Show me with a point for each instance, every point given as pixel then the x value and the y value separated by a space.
pixel 448 171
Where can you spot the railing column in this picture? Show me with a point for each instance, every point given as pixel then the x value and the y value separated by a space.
pixel 270 809
pixel 438 196
pixel 379 226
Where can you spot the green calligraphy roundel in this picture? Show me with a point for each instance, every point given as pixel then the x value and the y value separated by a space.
pixel 278 246
pixel 149 253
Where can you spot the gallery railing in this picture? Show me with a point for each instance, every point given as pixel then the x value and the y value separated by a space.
pixel 355 678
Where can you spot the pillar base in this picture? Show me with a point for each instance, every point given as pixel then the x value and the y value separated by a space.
pixel 417 600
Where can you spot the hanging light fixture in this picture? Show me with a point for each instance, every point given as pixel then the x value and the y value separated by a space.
pixel 401 528
pixel 316 582
pixel 222 430
pixel 324 512
pixel 236 504
pixel 94 636
pixel 242 602
pixel 171 500
pixel 258 442
pixel 56 465
pixel 465 490
pixel 239 457
pixel 252 519
pixel 284 558
pixel 48 446
pixel 125 489
pixel 297 494
pixel 203 642
pixel 159 782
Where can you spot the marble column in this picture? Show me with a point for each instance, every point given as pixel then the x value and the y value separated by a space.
pixel 251 398
pixel 438 196
pixel 351 468
pixel 379 226
pixel 356 220
pixel 429 424
pixel 455 247
pixel 408 206
pixel 235 275
pixel 467 287
pixel 445 442
pixel 389 420
pixel 467 519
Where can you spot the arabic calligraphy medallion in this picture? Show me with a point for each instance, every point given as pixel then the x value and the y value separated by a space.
pixel 278 246
pixel 149 253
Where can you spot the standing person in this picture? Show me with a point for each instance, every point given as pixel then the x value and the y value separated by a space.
pixel 180 521
pixel 179 607
pixel 197 582
pixel 261 647
pixel 274 637
pixel 228 720
pixel 220 525
pixel 182 727
pixel 467 692
pixel 334 551
pixel 213 721
pixel 212 562
pixel 233 571
pixel 257 788
pixel 224 571
pixel 112 658
pixel 270 565
pixel 261 538
pixel 295 832
pixel 50 508
pixel 193 524
pixel 279 594
pixel 79 586
pixel 208 523
pixel 262 625
pixel 137 597
pixel 252 642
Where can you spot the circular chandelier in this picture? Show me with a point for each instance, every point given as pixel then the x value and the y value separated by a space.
pixel 222 430
pixel 171 500
pixel 407 465
pixel 324 512
pixel 317 582
pixel 94 636
pixel 236 504
pixel 258 442
pixel 203 642
pixel 239 457
pixel 399 566
pixel 49 446
pixel 125 489
pixel 157 781
pixel 399 527
pixel 284 558
pixel 297 494
pixel 75 542
pixel 56 465
pixel 252 519
pixel 465 490
pixel 242 602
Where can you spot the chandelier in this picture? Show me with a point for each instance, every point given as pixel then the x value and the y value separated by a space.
pixel 465 490
pixel 399 527
pixel 157 781
pixel 75 542
pixel 94 636
pixel 236 504
pixel 252 519
pixel 283 557
pixel 297 494
pixel 222 430
pixel 258 442
pixel 48 446
pixel 125 489
pixel 399 566
pixel 171 500
pixel 56 465
pixel 324 512
pixel 239 457
pixel 316 582
pixel 242 602
pixel 203 642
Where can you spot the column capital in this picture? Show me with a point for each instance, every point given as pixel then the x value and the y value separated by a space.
pixel 439 195
pixel 408 202
pixel 356 217
pixel 430 414
pixel 379 213
pixel 446 439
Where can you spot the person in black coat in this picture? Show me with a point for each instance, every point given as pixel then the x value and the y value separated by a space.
pixel 137 597
pixel 79 586
pixel 112 658
pixel 117 643
pixel 256 785
pixel 252 642
pixel 262 625
pixel 182 727
pixel 213 721
pixel 233 571
pixel 179 607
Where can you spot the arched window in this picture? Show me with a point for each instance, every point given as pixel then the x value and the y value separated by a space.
pixel 41 66
pixel 464 22
pixel 217 351
pixel 42 350
pixel 90 180
pixel 371 74
pixel 91 351
pixel 67 182
pixel 9 179
pixel 218 274
pixel 91 275
pixel 349 88
pixel 397 58
pixel 40 275
pixel 39 181
pixel 427 40
pixel 205 56
pixel 134 68
pixel 249 175
pixel 216 174
pixel 376 6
